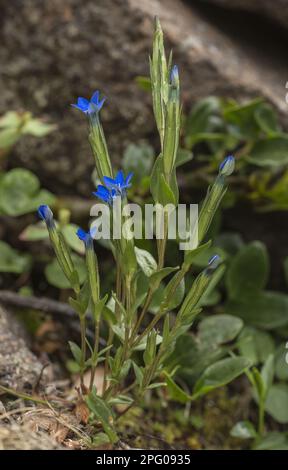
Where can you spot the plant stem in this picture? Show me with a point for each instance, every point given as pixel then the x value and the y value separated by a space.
pixel 143 313
pixel 160 312
pixel 111 333
pixel 95 353
pixel 261 417
pixel 22 395
pixel 83 350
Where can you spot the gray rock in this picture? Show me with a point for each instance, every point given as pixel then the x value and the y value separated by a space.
pixel 54 51
pixel 19 368
pixel 276 10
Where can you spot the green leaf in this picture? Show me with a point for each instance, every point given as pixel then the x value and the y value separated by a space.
pixel 277 402
pixel 146 261
pixel 175 392
pixel 177 297
pixel 243 117
pixel 183 156
pixel 129 258
pixel 8 138
pixel 143 82
pixel 192 357
pixel 230 242
pixel 165 194
pixel 255 344
pixel 267 374
pixel 248 271
pixel 219 374
pixel 199 120
pixel 20 193
pixel 69 233
pixel 267 119
pixel 270 152
pixel 158 276
pixel 138 159
pixel 267 310
pixel 191 255
pixel 98 308
pixel 201 260
pixel 102 412
pixel 211 295
pixel 34 232
pixel 243 430
pixel 273 441
pixel 138 373
pixel 37 128
pixel 10 119
pixel 11 261
pixel 155 175
pixel 281 362
pixel 57 278
pixel 76 351
pixel 220 329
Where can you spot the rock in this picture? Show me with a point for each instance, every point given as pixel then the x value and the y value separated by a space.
pixel 15 436
pixel 57 51
pixel 276 10
pixel 19 368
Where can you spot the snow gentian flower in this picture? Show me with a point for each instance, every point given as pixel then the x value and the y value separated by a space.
pixel 226 168
pixel 46 214
pixel 119 183
pixel 105 194
pixel 90 107
pixel 174 76
pixel 213 263
pixel 86 237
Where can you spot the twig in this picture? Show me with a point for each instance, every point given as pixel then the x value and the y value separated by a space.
pixel 37 303
pixel 24 396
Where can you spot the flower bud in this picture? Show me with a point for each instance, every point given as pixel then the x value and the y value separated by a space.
pixel 226 168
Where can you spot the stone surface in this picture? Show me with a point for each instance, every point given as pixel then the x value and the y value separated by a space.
pixel 276 10
pixel 51 52
pixel 19 368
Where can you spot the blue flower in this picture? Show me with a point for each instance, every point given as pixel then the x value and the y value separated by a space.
pixel 105 194
pixel 119 183
pixel 46 214
pixel 113 187
pixel 174 76
pixel 226 168
pixel 213 264
pixel 92 106
pixel 86 237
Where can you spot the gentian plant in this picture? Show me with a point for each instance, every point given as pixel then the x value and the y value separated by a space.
pixel 137 347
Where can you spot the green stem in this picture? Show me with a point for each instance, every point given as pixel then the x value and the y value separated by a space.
pixel 22 395
pixel 95 353
pixel 160 312
pixel 83 350
pixel 261 417
pixel 111 333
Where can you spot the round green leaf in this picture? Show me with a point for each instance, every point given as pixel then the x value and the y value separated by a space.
pixel 281 362
pixel 69 233
pixel 273 441
pixel 272 151
pixel 56 277
pixel 267 310
pixel 219 329
pixel 255 344
pixel 11 261
pixel 277 402
pixel 20 194
pixel 248 271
